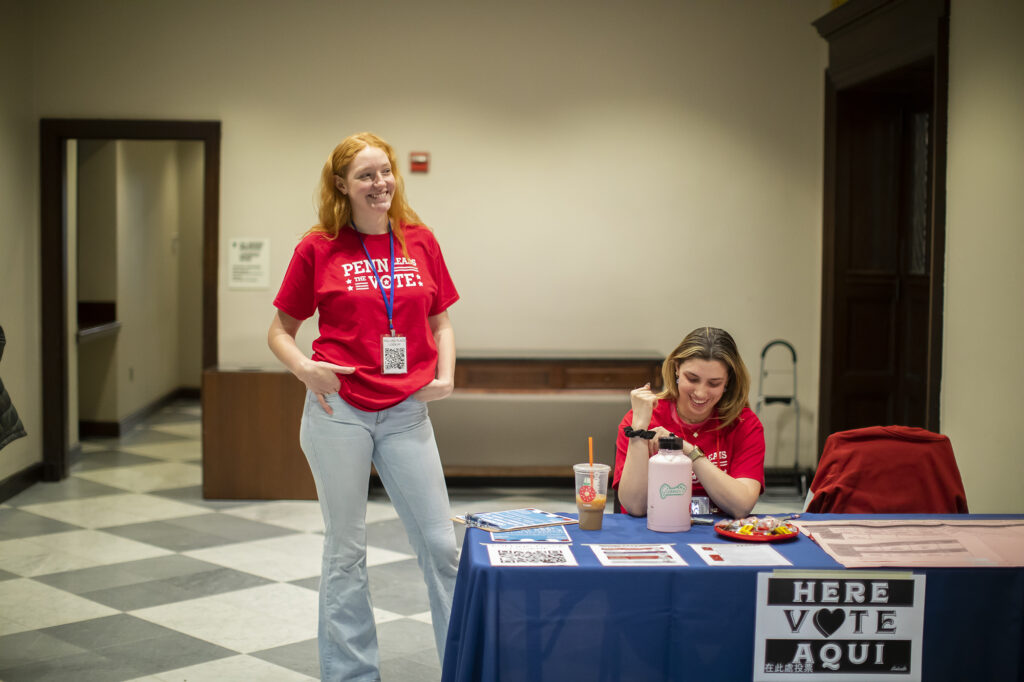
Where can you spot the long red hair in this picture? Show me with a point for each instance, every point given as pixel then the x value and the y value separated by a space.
pixel 335 209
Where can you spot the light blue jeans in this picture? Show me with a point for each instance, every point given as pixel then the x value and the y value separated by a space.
pixel 399 441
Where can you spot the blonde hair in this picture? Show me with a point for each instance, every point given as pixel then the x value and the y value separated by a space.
pixel 711 343
pixel 334 207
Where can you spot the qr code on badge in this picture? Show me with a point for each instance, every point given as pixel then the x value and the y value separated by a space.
pixel 394 360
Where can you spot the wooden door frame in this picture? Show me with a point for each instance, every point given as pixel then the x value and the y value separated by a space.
pixel 867 40
pixel 53 136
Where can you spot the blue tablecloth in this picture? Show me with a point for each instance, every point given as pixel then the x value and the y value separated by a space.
pixel 595 623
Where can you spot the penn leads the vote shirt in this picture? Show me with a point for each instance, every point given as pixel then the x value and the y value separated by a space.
pixel 333 276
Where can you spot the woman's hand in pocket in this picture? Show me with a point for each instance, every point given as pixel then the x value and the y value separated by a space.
pixel 322 379
pixel 435 390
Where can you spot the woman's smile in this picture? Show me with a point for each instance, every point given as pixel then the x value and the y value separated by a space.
pixel 701 385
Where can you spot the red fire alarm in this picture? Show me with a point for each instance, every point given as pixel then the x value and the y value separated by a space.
pixel 419 162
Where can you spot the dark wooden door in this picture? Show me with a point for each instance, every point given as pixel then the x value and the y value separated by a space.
pixel 882 269
pixel 883 233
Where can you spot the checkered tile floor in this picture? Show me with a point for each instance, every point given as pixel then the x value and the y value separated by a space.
pixel 123 572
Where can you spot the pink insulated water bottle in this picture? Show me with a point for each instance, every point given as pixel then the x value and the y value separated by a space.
pixel 669 487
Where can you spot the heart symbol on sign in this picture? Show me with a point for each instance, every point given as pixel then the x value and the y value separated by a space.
pixel 828 620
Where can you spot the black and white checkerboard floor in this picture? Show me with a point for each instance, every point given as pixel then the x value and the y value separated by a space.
pixel 123 572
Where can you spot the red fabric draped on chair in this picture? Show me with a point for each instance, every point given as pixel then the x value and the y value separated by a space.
pixel 887 469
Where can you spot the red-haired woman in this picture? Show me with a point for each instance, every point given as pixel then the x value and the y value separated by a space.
pixel 376 276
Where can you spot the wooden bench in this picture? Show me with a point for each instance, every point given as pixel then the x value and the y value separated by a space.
pixel 523 416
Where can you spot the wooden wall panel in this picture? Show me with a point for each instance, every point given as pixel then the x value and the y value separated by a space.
pixel 251 437
pixel 554 373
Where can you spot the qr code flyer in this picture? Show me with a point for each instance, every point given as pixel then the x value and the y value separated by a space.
pixel 505 555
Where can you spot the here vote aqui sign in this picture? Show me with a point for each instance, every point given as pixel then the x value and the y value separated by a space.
pixel 839 626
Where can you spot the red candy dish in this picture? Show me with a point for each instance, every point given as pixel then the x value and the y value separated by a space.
pixel 753 529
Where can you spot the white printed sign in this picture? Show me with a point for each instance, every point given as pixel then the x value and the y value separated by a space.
pixel 530 555
pixel 842 626
pixel 248 261
pixel 739 554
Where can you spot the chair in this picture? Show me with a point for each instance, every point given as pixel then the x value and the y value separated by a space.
pixel 887 470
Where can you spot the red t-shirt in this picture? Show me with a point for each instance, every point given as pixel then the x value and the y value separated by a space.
pixel 738 449
pixel 334 278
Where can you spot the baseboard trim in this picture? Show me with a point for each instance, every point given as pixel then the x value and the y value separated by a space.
pixel 20 481
pixel 97 429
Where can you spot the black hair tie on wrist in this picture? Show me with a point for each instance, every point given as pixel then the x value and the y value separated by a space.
pixel 637 433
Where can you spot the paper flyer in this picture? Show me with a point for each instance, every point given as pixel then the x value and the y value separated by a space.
pixel 542 534
pixel 637 555
pixel 248 263
pixel 530 555
pixel 736 554
pixel 513 519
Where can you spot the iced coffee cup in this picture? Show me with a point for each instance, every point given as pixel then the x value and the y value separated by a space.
pixel 591 493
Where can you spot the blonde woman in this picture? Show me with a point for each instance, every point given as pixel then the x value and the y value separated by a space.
pixel 385 348
pixel 704 402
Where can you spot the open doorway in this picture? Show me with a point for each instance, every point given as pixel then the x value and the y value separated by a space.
pixel 56 267
pixel 134 221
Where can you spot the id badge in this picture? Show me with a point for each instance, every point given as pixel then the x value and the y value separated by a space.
pixel 392 354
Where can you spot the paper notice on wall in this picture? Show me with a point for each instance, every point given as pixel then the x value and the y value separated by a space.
pixel 248 263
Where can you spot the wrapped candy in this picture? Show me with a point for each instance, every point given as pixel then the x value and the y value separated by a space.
pixel 763 526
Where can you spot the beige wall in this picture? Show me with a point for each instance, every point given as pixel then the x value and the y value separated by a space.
pixel 188 246
pixel 147 227
pixel 20 366
pixel 982 371
pixel 95 234
pixel 97 221
pixel 603 177
pixel 583 157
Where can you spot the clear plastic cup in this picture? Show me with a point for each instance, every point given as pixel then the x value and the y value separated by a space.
pixel 591 493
